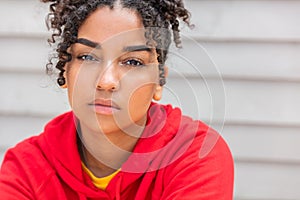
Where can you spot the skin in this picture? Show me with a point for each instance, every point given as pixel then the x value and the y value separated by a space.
pixel 111 82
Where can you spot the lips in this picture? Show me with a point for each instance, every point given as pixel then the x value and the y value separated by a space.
pixel 106 102
pixel 104 106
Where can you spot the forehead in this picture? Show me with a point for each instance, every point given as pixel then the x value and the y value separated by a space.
pixel 117 24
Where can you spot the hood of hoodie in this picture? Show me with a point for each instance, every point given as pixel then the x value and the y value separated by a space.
pixel 161 143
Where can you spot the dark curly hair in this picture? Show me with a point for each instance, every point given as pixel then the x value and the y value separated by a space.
pixel 66 16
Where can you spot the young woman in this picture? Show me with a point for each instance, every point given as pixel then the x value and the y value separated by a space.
pixel 116 143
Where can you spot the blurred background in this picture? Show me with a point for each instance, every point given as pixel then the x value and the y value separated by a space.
pixel 239 71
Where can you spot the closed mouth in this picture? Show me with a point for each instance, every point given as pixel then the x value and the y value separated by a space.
pixel 105 104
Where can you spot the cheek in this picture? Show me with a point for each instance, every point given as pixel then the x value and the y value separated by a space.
pixel 138 87
pixel 140 100
pixel 71 77
pixel 78 82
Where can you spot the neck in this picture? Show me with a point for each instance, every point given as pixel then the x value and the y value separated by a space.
pixel 105 153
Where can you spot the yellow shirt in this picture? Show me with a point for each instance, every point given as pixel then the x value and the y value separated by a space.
pixel 100 183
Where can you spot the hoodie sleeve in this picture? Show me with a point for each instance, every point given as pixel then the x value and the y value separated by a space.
pixel 201 173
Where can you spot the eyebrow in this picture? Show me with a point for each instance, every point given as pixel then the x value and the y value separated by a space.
pixel 137 48
pixel 96 45
pixel 89 43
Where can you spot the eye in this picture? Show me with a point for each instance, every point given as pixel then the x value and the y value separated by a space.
pixel 133 63
pixel 87 58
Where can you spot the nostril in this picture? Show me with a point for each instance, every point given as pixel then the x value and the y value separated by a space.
pixel 108 87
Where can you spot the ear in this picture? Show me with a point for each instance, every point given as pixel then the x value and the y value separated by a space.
pixel 158 93
pixel 159 88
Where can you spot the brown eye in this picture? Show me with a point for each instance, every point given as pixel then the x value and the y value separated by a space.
pixel 133 63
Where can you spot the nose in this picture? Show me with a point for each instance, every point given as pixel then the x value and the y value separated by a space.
pixel 108 79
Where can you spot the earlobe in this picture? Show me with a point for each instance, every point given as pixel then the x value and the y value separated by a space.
pixel 64 86
pixel 158 93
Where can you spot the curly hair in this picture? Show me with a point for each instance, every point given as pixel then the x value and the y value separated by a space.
pixel 66 16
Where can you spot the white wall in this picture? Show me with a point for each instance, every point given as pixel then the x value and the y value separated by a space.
pixel 242 68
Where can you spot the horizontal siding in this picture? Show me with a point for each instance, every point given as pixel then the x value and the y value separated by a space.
pixel 252 20
pixel 256 61
pixel 24 54
pixel 31 94
pixel 259 102
pixel 32 22
pixel 259 181
pixel 239 71
pixel 267 144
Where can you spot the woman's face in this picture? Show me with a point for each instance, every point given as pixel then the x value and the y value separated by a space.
pixel 113 75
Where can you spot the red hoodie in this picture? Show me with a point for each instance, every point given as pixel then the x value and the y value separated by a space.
pixel 176 158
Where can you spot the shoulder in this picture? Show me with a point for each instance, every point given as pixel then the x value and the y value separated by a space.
pixel 201 168
pixel 28 168
pixel 204 169
pixel 24 170
pixel 205 144
pixel 29 148
pixel 27 160
pixel 189 141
